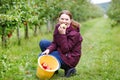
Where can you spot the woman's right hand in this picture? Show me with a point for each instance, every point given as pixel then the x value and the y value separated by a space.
pixel 62 29
pixel 46 52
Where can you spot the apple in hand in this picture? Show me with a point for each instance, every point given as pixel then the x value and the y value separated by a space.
pixel 63 26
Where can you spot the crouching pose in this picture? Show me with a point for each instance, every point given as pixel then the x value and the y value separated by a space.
pixel 66 44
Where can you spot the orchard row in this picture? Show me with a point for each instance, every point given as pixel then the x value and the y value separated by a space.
pixel 34 13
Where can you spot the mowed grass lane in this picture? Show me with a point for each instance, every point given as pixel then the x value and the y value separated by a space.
pixel 101 51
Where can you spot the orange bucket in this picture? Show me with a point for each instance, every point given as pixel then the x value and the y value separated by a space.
pixel 52 64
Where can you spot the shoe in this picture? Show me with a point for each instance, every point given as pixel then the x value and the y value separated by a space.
pixel 70 72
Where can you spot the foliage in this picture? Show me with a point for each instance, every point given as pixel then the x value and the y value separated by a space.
pixel 7 21
pixel 83 10
pixel 46 9
pixel 114 11
pixel 34 13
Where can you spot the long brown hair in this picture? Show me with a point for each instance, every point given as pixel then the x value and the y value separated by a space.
pixel 74 23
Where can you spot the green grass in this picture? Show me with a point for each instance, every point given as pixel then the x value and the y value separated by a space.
pixel 99 61
pixel 100 52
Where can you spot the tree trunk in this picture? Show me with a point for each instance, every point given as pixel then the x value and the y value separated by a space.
pixel 48 25
pixel 4 41
pixel 53 24
pixel 18 35
pixel 26 30
pixel 35 30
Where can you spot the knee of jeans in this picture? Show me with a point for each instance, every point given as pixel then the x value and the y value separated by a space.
pixel 41 43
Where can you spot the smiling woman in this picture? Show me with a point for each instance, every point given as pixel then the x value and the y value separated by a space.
pixel 66 44
pixel 99 1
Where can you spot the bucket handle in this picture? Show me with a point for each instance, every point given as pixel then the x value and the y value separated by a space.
pixel 43 53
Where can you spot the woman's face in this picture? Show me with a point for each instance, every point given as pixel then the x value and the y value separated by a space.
pixel 65 19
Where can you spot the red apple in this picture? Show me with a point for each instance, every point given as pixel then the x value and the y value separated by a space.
pixel 9 35
pixel 44 65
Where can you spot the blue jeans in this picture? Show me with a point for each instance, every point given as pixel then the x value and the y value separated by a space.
pixel 44 44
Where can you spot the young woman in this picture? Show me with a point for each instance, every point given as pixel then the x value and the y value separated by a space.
pixel 66 44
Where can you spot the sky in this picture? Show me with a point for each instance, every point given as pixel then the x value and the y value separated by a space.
pixel 99 1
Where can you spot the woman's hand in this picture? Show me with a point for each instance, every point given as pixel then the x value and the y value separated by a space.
pixel 46 52
pixel 62 29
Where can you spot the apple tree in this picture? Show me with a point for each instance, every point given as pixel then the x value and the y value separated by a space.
pixel 114 11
